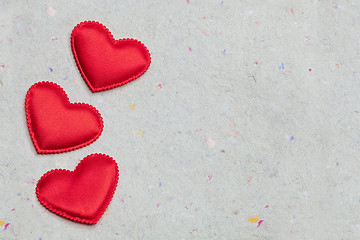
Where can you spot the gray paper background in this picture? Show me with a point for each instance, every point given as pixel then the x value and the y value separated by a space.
pixel 239 129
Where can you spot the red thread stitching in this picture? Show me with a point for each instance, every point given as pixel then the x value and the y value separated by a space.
pixel 114 42
pixel 40 151
pixel 64 214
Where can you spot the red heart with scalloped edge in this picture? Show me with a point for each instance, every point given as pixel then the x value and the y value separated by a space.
pixel 81 195
pixel 55 124
pixel 104 62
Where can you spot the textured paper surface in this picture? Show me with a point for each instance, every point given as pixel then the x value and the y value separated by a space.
pixel 245 126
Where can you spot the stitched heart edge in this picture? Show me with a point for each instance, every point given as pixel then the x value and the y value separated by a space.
pixel 32 134
pixel 64 214
pixel 114 41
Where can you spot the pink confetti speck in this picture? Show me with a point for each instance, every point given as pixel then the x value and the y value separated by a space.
pixel 251 177
pixel 3 66
pixel 334 4
pixel 257 63
pixel 339 64
pixel 190 49
pixel 188 1
pixel 51 11
pixel 54 39
pixel 210 177
pixel 13 209
pixel 6 226
pixel 210 142
pixel 157 205
pixel 259 223
pixel 159 86
pixel 292 11
pixel 234 133
pixel 223 151
pixel 28 199
pixel 30 181
pixel 266 206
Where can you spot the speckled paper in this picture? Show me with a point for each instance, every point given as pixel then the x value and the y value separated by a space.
pixel 245 126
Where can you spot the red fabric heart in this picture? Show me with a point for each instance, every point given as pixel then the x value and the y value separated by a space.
pixel 81 195
pixel 55 124
pixel 104 62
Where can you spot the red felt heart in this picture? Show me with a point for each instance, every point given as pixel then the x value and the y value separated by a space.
pixel 81 195
pixel 55 124
pixel 104 62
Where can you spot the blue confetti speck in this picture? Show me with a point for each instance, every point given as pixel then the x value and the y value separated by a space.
pixel 65 78
pixel 224 51
pixel 51 70
pixel 292 138
pixel 282 66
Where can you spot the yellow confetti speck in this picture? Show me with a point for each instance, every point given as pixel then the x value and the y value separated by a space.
pixel 132 106
pixel 2 223
pixel 253 219
pixel 140 133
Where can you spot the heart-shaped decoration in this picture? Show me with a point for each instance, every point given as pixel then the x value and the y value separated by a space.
pixel 104 62
pixel 55 124
pixel 81 195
